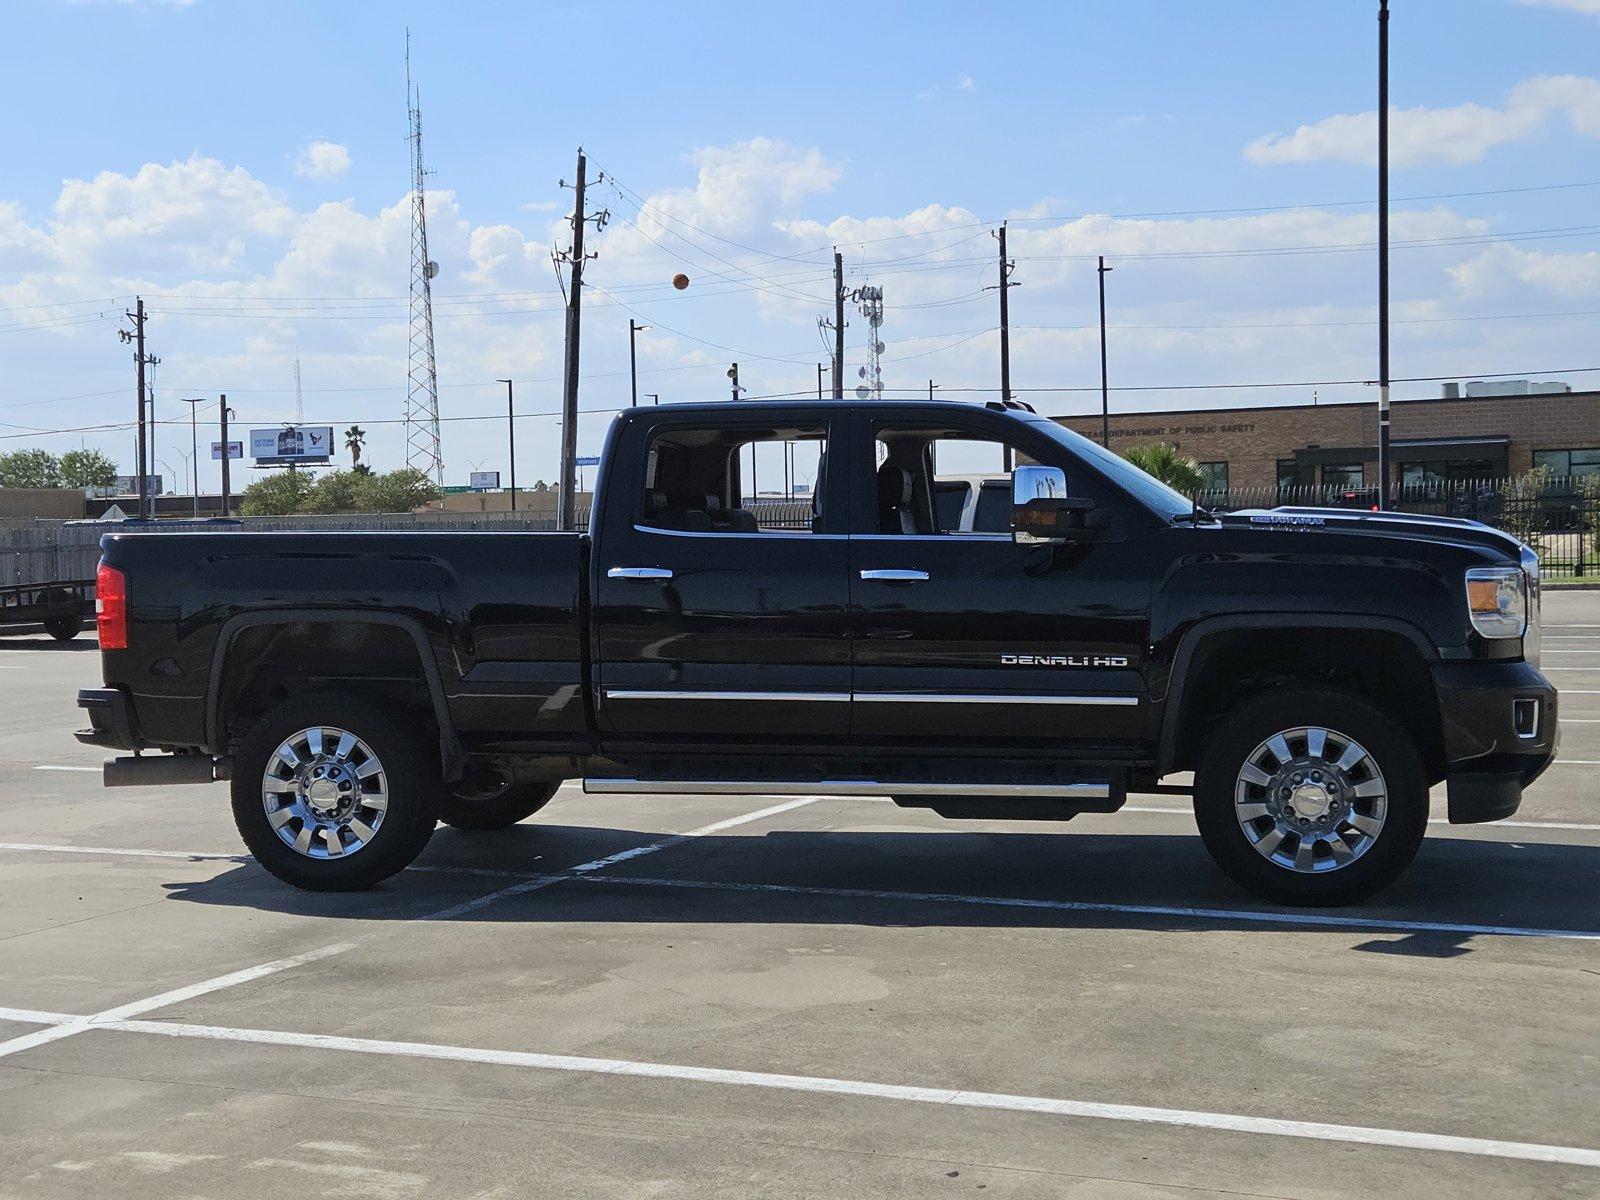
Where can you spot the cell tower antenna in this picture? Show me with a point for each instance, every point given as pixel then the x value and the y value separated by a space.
pixel 299 396
pixel 422 374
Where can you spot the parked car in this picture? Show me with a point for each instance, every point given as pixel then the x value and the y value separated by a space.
pixel 1317 669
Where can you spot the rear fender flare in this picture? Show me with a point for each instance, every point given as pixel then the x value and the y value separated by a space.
pixel 450 752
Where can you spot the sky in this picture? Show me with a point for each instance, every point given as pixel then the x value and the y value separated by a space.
pixel 244 167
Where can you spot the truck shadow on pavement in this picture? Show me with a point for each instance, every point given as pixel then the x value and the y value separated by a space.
pixel 955 879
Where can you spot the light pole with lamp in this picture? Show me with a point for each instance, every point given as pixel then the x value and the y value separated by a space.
pixel 633 359
pixel 194 448
pixel 511 439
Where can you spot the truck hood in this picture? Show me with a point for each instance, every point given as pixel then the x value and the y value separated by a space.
pixel 1407 526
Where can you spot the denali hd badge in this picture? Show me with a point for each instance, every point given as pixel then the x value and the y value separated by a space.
pixel 1064 660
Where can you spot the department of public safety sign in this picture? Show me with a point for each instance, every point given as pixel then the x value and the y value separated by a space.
pixel 277 447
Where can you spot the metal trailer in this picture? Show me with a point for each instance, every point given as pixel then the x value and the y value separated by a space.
pixel 62 606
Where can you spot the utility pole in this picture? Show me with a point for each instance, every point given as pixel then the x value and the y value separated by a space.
pixel 838 326
pixel 733 378
pixel 1005 285
pixel 511 440
pixel 930 389
pixel 141 360
pixel 566 499
pixel 1105 391
pixel 1383 254
pixel 224 407
pixel 633 360
pixel 819 381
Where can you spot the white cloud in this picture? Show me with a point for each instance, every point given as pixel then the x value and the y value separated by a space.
pixel 322 159
pixel 240 282
pixel 1590 8
pixel 966 85
pixel 1492 271
pixel 1463 133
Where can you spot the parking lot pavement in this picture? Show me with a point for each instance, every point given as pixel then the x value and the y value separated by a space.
pixel 815 997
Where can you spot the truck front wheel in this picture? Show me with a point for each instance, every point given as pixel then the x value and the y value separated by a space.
pixel 332 795
pixel 488 802
pixel 1314 797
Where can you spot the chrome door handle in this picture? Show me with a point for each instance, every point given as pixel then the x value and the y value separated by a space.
pixel 638 573
pixel 892 576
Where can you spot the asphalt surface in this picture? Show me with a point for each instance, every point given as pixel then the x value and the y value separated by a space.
pixel 822 997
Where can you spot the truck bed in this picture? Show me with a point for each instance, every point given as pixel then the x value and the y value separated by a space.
pixel 495 617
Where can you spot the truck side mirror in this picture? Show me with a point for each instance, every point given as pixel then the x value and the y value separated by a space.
pixel 1041 511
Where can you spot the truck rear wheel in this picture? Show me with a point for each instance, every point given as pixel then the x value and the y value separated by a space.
pixel 1309 796
pixel 332 795
pixel 482 803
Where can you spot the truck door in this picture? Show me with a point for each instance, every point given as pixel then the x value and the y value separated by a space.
pixel 720 587
pixel 966 638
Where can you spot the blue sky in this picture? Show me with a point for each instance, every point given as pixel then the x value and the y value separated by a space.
pixel 757 136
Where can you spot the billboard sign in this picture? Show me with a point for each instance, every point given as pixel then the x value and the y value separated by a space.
pixel 128 485
pixel 280 447
pixel 483 481
pixel 235 450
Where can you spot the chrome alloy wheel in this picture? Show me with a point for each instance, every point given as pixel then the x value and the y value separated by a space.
pixel 1310 799
pixel 325 792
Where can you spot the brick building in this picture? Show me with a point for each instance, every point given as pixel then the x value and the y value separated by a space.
pixel 1440 440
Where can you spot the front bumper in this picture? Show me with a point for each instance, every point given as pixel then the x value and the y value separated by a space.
pixel 111 721
pixel 1500 733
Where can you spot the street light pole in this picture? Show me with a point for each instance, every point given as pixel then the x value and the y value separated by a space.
pixel 223 405
pixel 1105 393
pixel 633 360
pixel 194 448
pixel 1383 254
pixel 511 439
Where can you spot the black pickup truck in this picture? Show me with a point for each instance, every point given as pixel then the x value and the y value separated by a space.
pixel 1317 670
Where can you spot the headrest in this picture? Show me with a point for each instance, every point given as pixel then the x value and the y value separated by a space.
pixel 713 502
pixel 894 486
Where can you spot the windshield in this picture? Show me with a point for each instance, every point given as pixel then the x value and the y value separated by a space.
pixel 1145 488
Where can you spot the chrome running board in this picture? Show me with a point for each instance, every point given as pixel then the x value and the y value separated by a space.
pixel 609 786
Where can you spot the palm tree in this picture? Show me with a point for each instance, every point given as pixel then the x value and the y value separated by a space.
pixel 354 438
pixel 1177 471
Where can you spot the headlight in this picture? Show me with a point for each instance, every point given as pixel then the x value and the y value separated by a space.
pixel 1497 598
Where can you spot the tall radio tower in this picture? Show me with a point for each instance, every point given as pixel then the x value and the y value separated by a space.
pixel 422 383
pixel 299 396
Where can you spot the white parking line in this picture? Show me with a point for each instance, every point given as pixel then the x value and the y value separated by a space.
pixel 64 767
pixel 1240 916
pixel 1404 1139
pixel 529 882
pixel 77 1025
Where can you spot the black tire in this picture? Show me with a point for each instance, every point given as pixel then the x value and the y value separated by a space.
pixel 410 772
pixel 485 805
pixel 1379 862
pixel 64 627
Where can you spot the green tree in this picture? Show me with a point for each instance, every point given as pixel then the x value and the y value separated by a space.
pixel 30 469
pixel 355 438
pixel 87 468
pixel 398 491
pixel 1176 470
pixel 276 495
pixel 335 492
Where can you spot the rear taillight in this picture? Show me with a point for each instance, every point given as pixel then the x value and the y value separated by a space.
pixel 111 607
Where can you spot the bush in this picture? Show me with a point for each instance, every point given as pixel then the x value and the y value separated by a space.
pixel 397 491
pixel 277 495
pixel 289 492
